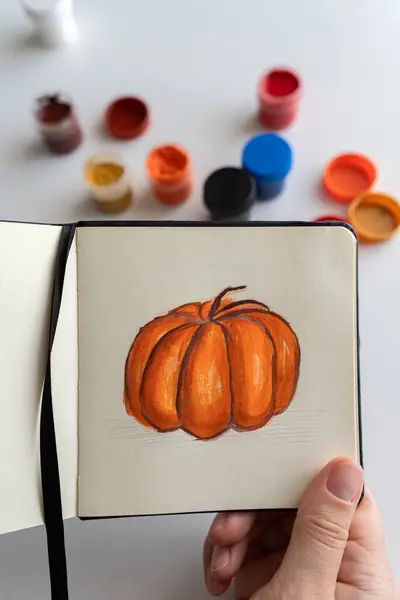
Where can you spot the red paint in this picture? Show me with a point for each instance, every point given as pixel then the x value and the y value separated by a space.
pixel 58 124
pixel 127 118
pixel 279 95
pixel 54 112
pixel 281 83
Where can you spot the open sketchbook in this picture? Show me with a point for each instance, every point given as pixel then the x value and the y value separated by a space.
pixel 194 367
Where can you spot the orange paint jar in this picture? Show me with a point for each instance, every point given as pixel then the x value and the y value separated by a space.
pixel 170 172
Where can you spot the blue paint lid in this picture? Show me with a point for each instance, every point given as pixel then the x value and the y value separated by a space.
pixel 267 156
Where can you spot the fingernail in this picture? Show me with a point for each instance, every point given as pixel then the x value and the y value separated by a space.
pixel 221 558
pixel 345 481
pixel 219 522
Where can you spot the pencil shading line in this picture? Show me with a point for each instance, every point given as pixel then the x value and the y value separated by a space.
pixel 212 366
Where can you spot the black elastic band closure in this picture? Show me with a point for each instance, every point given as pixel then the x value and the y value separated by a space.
pixel 52 503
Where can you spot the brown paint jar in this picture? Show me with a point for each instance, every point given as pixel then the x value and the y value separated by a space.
pixel 58 124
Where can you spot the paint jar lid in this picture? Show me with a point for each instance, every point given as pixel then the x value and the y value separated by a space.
pixel 267 156
pixel 375 217
pixel 326 218
pixel 229 192
pixel 127 118
pixel 348 175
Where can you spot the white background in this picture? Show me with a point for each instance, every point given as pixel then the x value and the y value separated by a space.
pixel 197 63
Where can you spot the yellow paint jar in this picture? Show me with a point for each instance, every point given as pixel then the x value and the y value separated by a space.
pixel 108 182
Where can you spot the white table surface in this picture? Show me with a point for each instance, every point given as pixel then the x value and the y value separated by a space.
pixel 197 63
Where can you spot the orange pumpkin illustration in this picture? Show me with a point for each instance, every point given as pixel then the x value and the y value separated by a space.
pixel 207 367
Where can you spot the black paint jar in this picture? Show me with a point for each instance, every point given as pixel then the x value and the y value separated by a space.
pixel 229 194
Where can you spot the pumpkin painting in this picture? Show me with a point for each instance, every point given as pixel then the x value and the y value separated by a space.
pixel 208 367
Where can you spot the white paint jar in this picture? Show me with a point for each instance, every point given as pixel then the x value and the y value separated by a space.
pixel 53 21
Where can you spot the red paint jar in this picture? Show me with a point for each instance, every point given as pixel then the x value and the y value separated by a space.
pixel 279 95
pixel 127 118
pixel 58 124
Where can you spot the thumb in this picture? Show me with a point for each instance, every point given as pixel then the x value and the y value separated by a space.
pixel 311 564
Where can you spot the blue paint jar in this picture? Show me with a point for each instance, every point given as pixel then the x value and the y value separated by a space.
pixel 268 158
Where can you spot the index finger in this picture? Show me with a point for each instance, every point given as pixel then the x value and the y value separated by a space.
pixel 228 529
pixel 215 587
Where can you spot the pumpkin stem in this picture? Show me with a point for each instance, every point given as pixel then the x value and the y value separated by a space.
pixel 218 299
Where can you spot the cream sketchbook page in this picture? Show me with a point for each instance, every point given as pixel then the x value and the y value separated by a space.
pixel 130 276
pixel 121 278
pixel 27 261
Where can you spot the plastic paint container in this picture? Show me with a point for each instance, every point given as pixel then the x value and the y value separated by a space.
pixel 127 118
pixel 170 173
pixel 375 217
pixel 58 124
pixel 229 194
pixel 109 182
pixel 347 176
pixel 327 218
pixel 53 21
pixel 279 94
pixel 268 158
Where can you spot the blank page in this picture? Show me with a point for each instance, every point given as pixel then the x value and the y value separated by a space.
pixel 27 261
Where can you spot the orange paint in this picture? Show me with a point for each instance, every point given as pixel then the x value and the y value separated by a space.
pixel 204 399
pixel 139 354
pixel 287 356
pixel 207 367
pixel 251 357
pixel 170 172
pixel 160 380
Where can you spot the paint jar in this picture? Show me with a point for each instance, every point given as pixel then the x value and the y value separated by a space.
pixel 127 118
pixel 109 182
pixel 279 94
pixel 170 173
pixel 229 194
pixel 58 124
pixel 53 21
pixel 268 159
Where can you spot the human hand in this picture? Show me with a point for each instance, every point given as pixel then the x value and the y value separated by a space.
pixel 333 548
